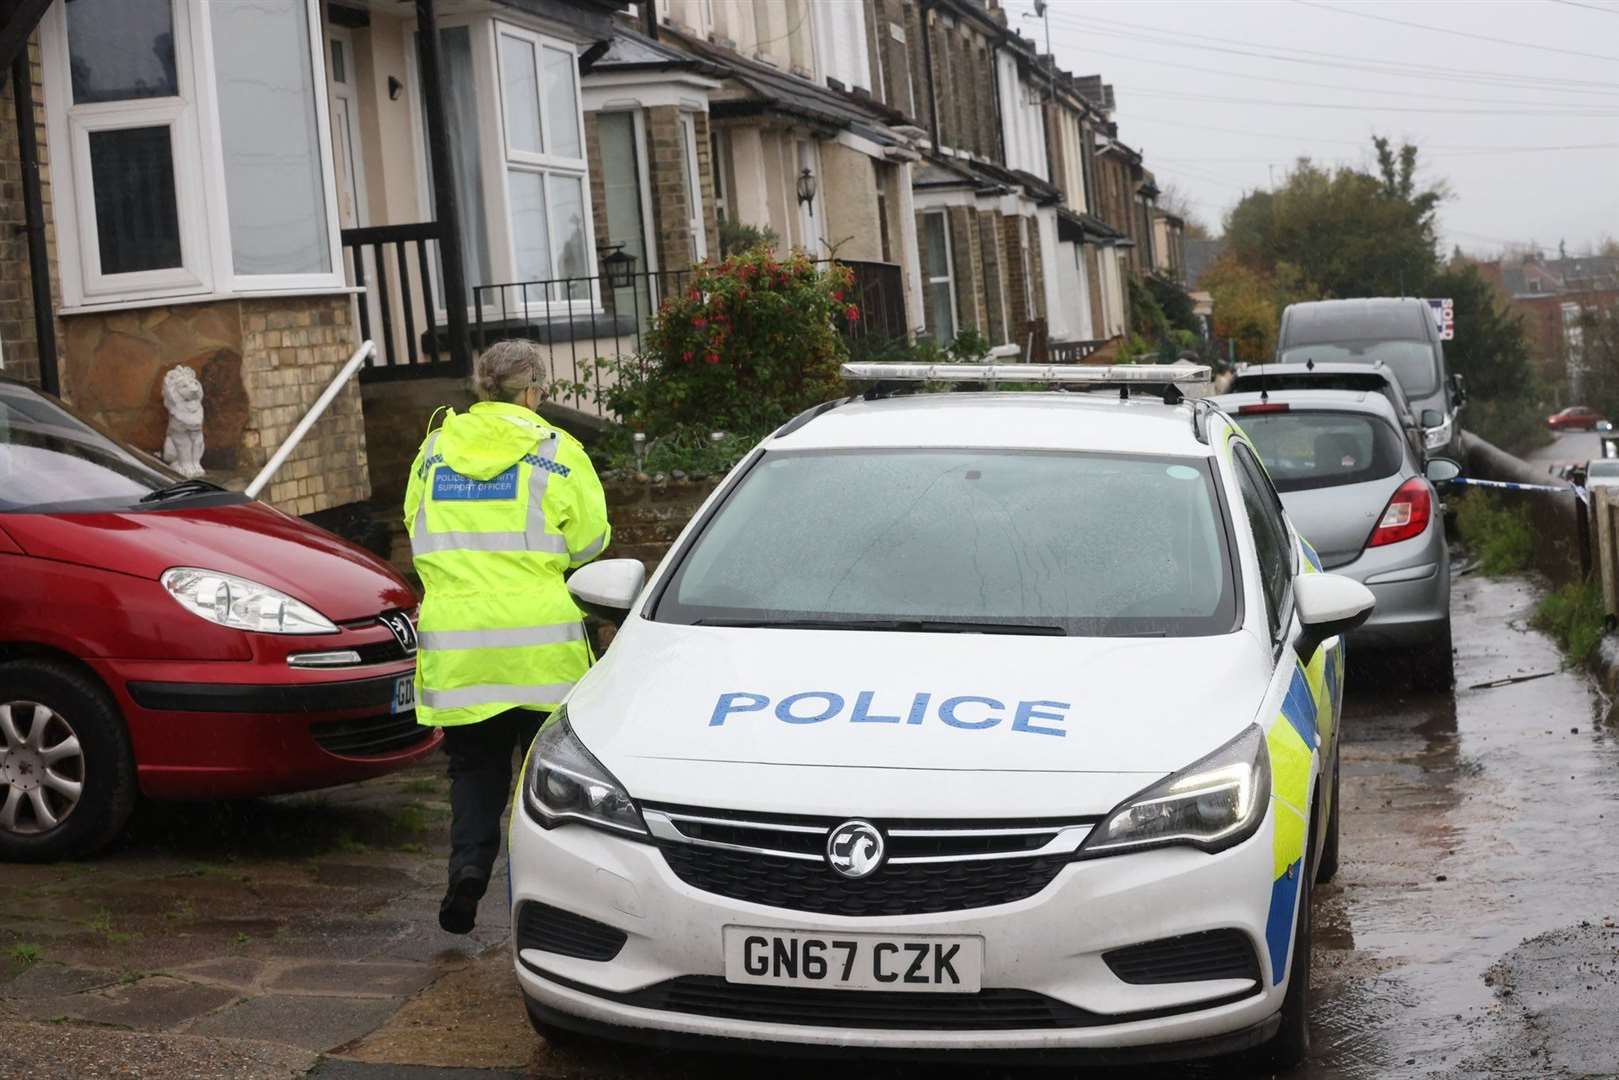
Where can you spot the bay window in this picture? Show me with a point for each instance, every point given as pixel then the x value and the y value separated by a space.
pixel 545 163
pixel 196 158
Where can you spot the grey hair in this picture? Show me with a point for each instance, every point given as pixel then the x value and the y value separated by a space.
pixel 507 368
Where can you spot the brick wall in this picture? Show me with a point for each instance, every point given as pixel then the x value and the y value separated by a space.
pixel 993 275
pixel 291 349
pixel 666 170
pixel 1093 276
pixel 18 342
pixel 967 263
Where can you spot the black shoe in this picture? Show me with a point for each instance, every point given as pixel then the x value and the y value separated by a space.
pixel 458 912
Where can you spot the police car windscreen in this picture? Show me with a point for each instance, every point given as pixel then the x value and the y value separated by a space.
pixel 1413 362
pixel 1088 544
pixel 1304 450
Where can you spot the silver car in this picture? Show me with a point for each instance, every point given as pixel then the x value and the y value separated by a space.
pixel 1353 486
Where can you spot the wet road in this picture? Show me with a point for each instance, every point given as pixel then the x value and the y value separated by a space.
pixel 1566 448
pixel 1473 930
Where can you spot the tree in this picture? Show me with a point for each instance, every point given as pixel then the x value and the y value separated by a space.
pixel 1492 355
pixel 1599 358
pixel 1245 309
pixel 1340 233
pixel 1175 200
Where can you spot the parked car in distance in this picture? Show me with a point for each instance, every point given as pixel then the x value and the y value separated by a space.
pixel 1400 333
pixel 166 637
pixel 1360 496
pixel 1602 472
pixel 1575 418
pixel 1377 378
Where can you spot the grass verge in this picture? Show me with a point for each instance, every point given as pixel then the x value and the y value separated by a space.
pixel 1574 616
pixel 1500 536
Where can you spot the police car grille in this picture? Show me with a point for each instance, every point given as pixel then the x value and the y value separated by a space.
pixel 373 736
pixel 552 930
pixel 917 889
pixel 1213 954
pixel 929 866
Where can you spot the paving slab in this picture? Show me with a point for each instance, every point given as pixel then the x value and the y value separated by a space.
pixel 352 979
pixel 63 1052
pixel 240 972
pixel 156 1003
pixel 312 1023
pixel 471 1017
pixel 342 1069
pixel 44 979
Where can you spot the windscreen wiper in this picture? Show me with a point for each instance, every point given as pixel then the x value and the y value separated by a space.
pixel 914 626
pixel 192 486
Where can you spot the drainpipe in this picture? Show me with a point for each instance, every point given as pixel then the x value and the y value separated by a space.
pixel 39 267
pixel 444 194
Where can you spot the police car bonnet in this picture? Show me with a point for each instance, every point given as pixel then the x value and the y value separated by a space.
pixel 915 701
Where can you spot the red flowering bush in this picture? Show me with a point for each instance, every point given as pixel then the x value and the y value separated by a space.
pixel 752 342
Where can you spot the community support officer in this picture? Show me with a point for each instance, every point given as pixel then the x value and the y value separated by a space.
pixel 500 505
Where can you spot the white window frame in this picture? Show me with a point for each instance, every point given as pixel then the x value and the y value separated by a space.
pixel 950 277
pixel 694 188
pixel 546 164
pixel 203 213
pixel 643 187
pixel 495 158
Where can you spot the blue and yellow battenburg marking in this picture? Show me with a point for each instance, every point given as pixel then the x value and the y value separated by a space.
pixel 1298 732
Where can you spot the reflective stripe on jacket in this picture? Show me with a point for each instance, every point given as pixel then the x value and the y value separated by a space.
pixel 498 506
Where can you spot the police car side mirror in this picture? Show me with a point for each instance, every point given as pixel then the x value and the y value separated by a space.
pixel 607 589
pixel 1328 605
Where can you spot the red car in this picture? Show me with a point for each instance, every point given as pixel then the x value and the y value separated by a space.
pixel 163 636
pixel 1574 418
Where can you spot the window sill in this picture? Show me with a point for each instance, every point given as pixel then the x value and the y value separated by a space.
pixel 134 304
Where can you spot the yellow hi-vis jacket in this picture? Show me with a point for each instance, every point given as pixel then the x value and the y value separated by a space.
pixel 499 506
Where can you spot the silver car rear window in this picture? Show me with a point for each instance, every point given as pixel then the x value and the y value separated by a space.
pixel 1304 450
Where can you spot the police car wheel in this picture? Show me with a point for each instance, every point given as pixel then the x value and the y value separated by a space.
pixel 1327 869
pixel 67 773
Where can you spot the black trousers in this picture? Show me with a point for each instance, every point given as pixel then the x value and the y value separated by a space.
pixel 481 783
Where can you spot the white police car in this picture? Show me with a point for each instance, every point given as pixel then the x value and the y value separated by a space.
pixel 954 722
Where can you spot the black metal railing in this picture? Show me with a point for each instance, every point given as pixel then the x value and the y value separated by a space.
pixel 583 319
pixel 397 267
pixel 1071 352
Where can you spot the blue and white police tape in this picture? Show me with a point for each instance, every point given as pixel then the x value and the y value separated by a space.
pixel 1507 485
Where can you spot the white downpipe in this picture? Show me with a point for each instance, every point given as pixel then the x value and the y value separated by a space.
pixel 279 458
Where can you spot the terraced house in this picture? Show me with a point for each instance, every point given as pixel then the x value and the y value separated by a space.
pixel 254 189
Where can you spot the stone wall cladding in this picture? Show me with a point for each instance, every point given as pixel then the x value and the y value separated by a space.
pixel 18 342
pixel 291 349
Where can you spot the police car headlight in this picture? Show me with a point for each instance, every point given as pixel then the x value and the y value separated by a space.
pixel 564 782
pixel 1435 437
pixel 242 604
pixel 1212 804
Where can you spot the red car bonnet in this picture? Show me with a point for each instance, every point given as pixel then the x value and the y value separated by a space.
pixel 251 540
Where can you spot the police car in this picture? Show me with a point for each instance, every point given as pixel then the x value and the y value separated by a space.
pixel 978 721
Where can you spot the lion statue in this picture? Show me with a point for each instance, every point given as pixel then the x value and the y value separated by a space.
pixel 182 396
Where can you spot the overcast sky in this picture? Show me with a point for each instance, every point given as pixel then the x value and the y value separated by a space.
pixel 1223 94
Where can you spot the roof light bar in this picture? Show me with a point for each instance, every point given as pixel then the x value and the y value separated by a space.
pixel 1057 374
